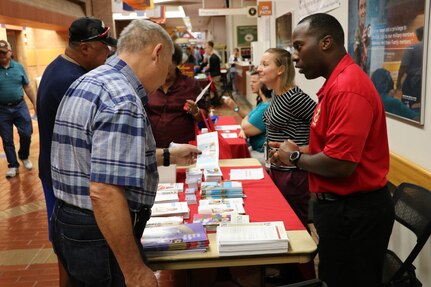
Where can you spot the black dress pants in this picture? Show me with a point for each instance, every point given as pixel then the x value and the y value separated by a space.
pixel 353 235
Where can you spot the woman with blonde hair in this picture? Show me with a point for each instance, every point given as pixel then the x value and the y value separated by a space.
pixel 288 117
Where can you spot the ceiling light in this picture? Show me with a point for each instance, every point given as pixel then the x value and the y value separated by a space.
pixel 162 1
pixel 174 12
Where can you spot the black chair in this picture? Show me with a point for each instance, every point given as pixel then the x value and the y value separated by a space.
pixel 412 210
pixel 308 283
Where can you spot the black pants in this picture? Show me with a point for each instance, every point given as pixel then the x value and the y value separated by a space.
pixel 353 236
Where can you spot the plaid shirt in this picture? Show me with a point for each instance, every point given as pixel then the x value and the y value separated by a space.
pixel 102 134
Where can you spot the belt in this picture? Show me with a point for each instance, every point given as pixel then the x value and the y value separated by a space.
pixel 11 104
pixel 330 196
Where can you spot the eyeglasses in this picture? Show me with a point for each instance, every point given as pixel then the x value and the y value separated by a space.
pixel 100 36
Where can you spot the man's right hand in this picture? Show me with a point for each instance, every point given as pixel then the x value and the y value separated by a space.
pixel 141 277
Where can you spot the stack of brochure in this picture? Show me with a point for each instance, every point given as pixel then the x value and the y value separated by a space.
pixel 162 221
pixel 223 189
pixel 251 238
pixel 211 221
pixel 168 192
pixel 225 205
pixel 171 209
pixel 213 174
pixel 173 239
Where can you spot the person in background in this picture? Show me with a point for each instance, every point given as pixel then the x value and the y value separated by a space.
pixel 213 68
pixel 384 84
pixel 198 56
pixel 288 117
pixel 190 57
pixel 347 159
pixel 14 110
pixel 233 59
pixel 88 47
pixel 362 38
pixel 252 126
pixel 104 162
pixel 409 81
pixel 169 121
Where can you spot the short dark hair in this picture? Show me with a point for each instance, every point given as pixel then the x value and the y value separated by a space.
pixel 177 56
pixel 321 25
pixel 420 33
pixel 211 44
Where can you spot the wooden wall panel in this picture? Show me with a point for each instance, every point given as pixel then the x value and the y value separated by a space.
pixel 402 170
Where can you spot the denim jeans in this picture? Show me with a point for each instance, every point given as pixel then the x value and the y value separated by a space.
pixel 82 249
pixel 20 117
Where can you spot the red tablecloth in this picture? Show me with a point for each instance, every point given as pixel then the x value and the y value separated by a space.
pixel 238 146
pixel 264 202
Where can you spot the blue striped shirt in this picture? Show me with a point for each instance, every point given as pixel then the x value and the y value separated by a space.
pixel 102 134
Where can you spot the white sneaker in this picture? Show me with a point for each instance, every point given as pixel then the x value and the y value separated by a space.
pixel 27 164
pixel 11 172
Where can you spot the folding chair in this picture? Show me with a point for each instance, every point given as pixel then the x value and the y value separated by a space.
pixel 412 210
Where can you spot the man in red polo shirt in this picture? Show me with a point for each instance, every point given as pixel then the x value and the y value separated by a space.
pixel 347 158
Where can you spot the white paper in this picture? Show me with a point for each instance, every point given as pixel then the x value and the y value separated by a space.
pixel 202 93
pixel 246 173
pixel 167 174
pixel 227 127
pixel 229 135
pixel 208 144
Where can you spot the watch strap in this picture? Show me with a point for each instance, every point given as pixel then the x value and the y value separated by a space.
pixel 166 157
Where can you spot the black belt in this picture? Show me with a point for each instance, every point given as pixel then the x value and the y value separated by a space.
pixel 12 104
pixel 330 196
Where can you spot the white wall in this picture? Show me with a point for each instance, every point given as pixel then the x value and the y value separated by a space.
pixel 233 21
pixel 409 141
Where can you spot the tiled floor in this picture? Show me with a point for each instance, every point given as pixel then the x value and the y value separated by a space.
pixel 26 256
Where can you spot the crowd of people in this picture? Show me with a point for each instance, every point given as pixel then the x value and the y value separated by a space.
pixel 106 121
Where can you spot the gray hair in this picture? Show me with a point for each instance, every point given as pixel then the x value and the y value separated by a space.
pixel 141 33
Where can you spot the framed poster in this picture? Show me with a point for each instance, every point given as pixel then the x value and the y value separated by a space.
pixel 386 39
pixel 245 35
pixel 283 31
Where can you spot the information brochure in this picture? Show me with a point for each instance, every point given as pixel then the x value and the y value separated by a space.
pixel 208 144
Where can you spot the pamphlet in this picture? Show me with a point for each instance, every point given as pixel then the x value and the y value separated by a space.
pixel 208 144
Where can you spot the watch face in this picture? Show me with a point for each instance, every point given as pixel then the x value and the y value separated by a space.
pixel 236 109
pixel 294 156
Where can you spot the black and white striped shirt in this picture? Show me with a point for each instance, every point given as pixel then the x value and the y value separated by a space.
pixel 288 117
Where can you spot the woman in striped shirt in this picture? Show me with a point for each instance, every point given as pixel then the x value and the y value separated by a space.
pixel 288 117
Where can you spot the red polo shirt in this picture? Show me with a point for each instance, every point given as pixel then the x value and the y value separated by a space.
pixel 349 124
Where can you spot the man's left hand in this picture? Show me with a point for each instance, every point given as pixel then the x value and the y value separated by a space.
pixel 280 152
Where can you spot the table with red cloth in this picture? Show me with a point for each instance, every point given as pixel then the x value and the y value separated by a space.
pixel 263 202
pixel 238 146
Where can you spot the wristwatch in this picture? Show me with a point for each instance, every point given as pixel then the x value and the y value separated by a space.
pixel 166 157
pixel 236 109
pixel 295 156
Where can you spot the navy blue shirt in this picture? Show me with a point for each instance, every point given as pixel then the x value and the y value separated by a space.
pixel 56 79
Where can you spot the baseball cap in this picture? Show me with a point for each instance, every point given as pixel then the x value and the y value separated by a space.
pixel 4 46
pixel 88 29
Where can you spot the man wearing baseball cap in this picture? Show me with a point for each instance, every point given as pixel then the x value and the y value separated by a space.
pixel 14 110
pixel 89 46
